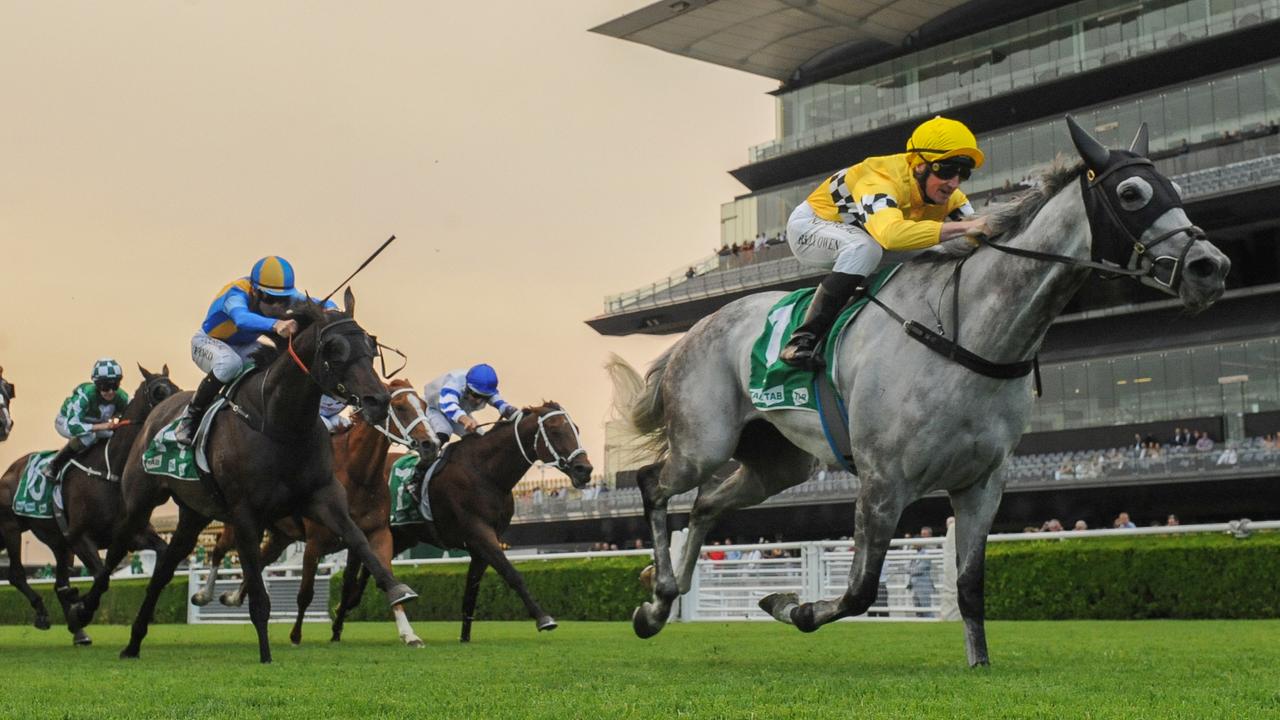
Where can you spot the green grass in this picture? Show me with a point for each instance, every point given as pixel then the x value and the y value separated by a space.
pixel 1085 669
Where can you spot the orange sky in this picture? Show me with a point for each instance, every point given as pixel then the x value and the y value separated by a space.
pixel 153 150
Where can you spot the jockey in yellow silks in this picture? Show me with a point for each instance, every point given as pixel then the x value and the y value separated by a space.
pixel 880 211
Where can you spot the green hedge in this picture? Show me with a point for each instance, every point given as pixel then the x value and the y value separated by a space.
pixel 585 589
pixel 1121 578
pixel 1187 576
pixel 119 605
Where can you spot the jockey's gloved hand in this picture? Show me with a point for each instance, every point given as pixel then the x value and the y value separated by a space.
pixel 509 412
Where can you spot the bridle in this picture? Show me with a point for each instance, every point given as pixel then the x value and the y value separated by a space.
pixel 1096 195
pixel 561 462
pixel 403 431
pixel 325 375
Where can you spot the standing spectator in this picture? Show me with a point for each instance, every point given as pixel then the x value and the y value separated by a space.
pixel 715 553
pixel 1138 445
pixel 1081 526
pixel 1172 521
pixel 1053 525
pixel 920 577
pixel 1123 522
pixel 1228 456
pixel 690 273
pixel 731 554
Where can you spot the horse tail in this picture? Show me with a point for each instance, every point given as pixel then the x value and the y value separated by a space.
pixel 638 402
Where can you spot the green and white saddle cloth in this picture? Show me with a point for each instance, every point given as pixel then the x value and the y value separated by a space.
pixel 776 385
pixel 34 497
pixel 404 509
pixel 166 456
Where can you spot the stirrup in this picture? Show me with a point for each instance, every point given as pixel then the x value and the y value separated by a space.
pixel 803 352
pixel 185 433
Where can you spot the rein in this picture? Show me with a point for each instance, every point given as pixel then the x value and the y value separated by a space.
pixel 561 462
pixel 1094 194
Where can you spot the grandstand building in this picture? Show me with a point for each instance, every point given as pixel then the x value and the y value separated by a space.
pixel 1123 361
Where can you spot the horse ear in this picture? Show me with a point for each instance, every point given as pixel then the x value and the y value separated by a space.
pixel 165 370
pixel 145 374
pixel 349 302
pixel 1141 141
pixel 1094 154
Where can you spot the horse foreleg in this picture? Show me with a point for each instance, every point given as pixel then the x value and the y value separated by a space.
pixel 483 542
pixel 658 483
pixel 329 508
pixel 17 575
pixel 742 489
pixel 475 571
pixel 875 524
pixel 272 548
pixel 247 537
pixel 66 595
pixel 306 589
pixel 975 508
pixel 226 539
pixel 383 544
pixel 190 523
pixel 138 506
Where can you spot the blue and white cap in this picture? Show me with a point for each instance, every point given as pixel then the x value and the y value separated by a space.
pixel 482 380
pixel 106 369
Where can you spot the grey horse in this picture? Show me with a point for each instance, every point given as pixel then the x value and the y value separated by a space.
pixel 919 422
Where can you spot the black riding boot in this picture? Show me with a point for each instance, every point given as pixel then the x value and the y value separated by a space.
pixel 833 293
pixel 205 393
pixel 54 467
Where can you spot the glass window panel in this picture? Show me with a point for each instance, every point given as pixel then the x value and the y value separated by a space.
pixel 1102 398
pixel 1271 80
pixel 1180 383
pixel 1205 372
pixel 1200 112
pixel 1226 104
pixel 1124 377
pixel 1075 389
pixel 1152 389
pixel 1252 102
pixel 1264 376
pixel 1177 116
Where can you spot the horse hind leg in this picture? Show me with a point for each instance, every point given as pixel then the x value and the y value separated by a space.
pixel 876 523
pixel 184 539
pixel 769 464
pixel 12 533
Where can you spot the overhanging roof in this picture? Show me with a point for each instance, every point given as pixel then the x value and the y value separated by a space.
pixel 774 38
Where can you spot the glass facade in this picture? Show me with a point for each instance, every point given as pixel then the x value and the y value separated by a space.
pixel 1072 39
pixel 1241 377
pixel 1236 104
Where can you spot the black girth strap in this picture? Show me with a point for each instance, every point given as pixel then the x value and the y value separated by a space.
pixel 953 351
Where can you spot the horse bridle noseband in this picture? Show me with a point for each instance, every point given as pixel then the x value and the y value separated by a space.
pixel 561 462
pixel 403 438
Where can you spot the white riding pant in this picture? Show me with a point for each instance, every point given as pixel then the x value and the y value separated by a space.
pixel 440 423
pixel 215 356
pixel 87 439
pixel 837 246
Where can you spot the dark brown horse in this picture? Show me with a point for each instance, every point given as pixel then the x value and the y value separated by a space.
pixel 269 459
pixel 357 456
pixel 471 503
pixel 6 397
pixel 92 500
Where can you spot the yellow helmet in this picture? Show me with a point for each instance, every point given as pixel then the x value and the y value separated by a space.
pixel 941 138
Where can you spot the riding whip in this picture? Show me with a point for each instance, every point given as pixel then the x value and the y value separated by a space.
pixel 363 265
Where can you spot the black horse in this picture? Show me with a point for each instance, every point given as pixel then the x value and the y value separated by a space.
pixel 6 396
pixel 275 463
pixel 472 504
pixel 92 501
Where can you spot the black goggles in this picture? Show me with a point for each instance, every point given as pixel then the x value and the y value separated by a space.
pixel 269 299
pixel 948 170
pixel 107 384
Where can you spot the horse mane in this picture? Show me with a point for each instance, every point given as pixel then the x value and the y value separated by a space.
pixel 1011 217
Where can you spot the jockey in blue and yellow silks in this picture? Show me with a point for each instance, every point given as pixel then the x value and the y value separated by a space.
pixel 876 212
pixel 243 311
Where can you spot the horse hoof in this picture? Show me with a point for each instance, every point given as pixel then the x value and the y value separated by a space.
pixel 547 623
pixel 643 626
pixel 780 605
pixel 42 622
pixel 401 594
pixel 200 599
pixel 336 637
pixel 415 642
pixel 231 598
pixel 82 640
pixel 295 640
pixel 129 654
pixel 646 577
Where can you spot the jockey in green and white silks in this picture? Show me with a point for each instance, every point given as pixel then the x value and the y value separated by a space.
pixel 241 313
pixel 452 397
pixel 89 414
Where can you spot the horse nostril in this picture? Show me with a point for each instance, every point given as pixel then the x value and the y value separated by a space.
pixel 1203 268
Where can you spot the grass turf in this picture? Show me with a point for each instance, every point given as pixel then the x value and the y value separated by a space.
pixel 1156 669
